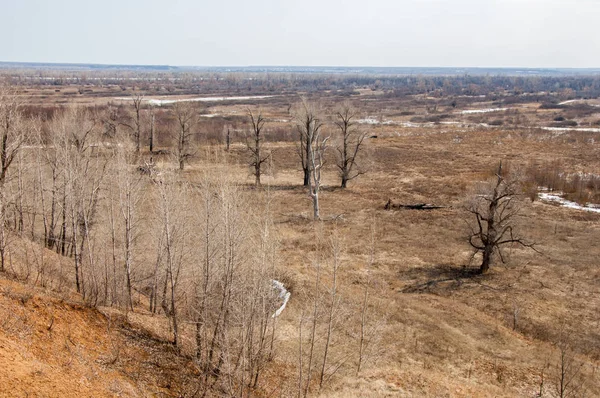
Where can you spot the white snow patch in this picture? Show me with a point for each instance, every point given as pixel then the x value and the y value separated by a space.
pixel 470 111
pixel 159 102
pixel 563 129
pixel 557 198
pixel 577 100
pixel 371 120
pixel 569 101
pixel 283 294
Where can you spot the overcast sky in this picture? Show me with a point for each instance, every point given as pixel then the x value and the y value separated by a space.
pixel 484 33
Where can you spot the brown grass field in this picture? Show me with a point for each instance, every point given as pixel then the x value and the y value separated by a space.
pixel 438 330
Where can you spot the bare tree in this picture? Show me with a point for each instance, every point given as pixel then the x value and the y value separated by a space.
pixel 309 126
pixel 152 142
pixel 569 380
pixel 363 339
pixel 130 186
pixel 227 134
pixel 334 301
pixel 12 136
pixel 495 208
pixel 351 143
pixel 136 125
pixel 172 219
pixel 83 172
pixel 316 152
pixel 256 147
pixel 186 117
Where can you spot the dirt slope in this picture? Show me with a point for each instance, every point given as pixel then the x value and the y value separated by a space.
pixel 50 347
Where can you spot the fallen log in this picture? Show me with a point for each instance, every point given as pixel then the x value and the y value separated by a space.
pixel 417 206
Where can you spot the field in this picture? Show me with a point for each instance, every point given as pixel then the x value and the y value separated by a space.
pixel 434 327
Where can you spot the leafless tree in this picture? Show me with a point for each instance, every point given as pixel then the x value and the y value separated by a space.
pixel 130 184
pixel 495 208
pixel 83 173
pixel 255 146
pixel 363 340
pixel 186 117
pixel 12 137
pixel 334 302
pixel 316 153
pixel 136 125
pixel 227 134
pixel 172 219
pixel 351 141
pixel 309 127
pixel 152 142
pixel 569 380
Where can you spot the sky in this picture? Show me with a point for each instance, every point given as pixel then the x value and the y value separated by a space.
pixel 428 33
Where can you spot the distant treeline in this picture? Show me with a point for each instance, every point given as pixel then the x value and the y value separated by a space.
pixel 217 81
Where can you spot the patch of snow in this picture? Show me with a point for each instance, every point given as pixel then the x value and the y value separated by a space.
pixel 471 111
pixel 578 100
pixel 159 102
pixel 283 294
pixel 371 120
pixel 557 198
pixel 569 101
pixel 563 129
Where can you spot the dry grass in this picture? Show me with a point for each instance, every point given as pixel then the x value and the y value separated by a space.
pixel 441 330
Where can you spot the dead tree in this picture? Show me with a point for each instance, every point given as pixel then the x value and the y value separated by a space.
pixel 351 141
pixel 495 209
pixel 309 127
pixel 316 151
pixel 256 148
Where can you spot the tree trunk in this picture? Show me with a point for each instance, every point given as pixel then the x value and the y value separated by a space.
pixel 316 213
pixel 306 176
pixel 152 135
pixel 487 258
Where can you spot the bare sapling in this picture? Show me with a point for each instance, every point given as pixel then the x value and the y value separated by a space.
pixel 363 339
pixel 334 301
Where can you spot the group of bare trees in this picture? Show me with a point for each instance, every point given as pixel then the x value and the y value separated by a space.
pixel 335 333
pixel 313 142
pixel 202 254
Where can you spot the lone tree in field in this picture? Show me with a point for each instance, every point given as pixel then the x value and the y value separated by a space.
pixel 258 156
pixel 495 208
pixel 351 140
pixel 309 127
